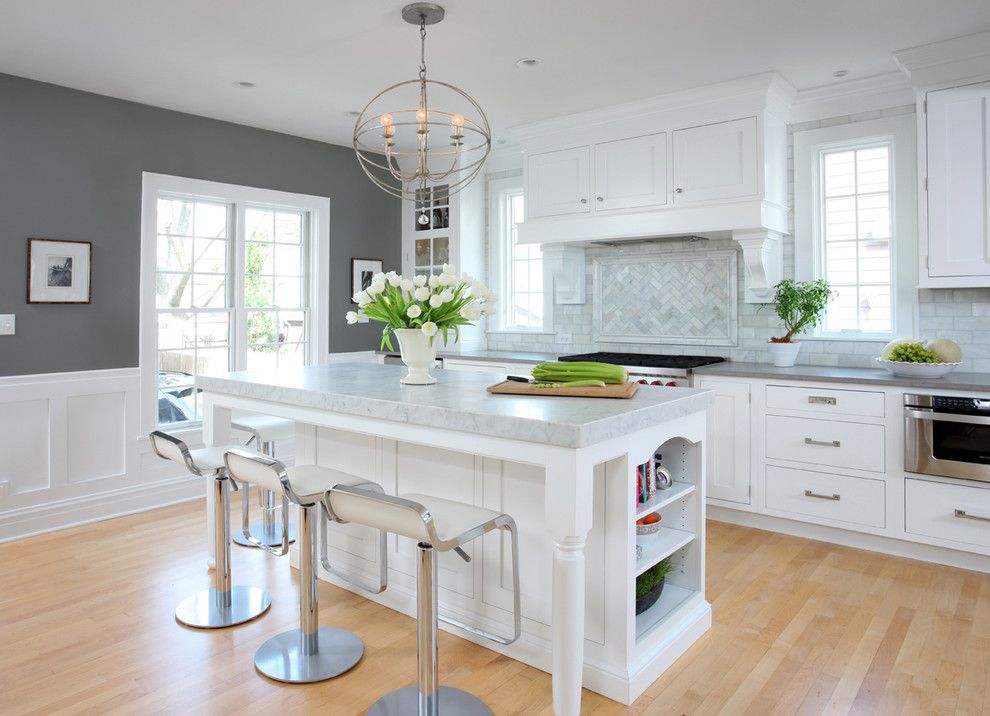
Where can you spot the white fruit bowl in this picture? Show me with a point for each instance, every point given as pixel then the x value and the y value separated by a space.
pixel 917 370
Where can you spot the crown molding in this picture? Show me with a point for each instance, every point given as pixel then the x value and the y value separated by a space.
pixel 854 96
pixel 769 89
pixel 957 60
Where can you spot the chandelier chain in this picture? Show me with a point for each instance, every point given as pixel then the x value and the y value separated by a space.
pixel 422 49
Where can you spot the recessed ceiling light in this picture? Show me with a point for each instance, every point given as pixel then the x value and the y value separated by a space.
pixel 244 84
pixel 351 113
pixel 528 62
pixel 500 141
pixel 838 74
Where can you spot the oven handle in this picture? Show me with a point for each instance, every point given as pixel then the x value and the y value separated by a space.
pixel 946 417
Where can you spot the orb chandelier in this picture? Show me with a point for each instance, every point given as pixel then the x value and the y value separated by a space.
pixel 422 132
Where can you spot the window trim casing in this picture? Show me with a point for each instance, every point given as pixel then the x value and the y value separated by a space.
pixel 899 131
pixel 498 257
pixel 318 259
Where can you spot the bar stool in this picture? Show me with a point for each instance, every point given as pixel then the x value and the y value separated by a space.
pixel 311 652
pixel 436 524
pixel 222 605
pixel 265 432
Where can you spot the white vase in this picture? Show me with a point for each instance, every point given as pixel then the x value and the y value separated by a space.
pixel 783 355
pixel 418 354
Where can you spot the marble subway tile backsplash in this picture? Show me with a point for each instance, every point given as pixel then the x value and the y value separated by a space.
pixel 962 315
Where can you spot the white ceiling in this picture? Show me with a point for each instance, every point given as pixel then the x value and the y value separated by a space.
pixel 313 61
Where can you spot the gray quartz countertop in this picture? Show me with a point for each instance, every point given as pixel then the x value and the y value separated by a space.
pixel 458 401
pixel 866 376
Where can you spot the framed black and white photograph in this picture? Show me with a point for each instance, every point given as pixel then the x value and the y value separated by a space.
pixel 362 271
pixel 59 271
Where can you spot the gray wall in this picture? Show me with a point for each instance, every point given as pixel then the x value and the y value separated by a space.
pixel 70 168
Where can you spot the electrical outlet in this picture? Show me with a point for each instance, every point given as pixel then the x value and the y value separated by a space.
pixel 564 339
pixel 7 324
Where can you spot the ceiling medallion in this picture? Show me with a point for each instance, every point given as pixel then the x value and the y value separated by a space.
pixel 422 132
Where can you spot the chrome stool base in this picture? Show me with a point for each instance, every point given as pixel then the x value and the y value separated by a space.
pixel 282 658
pixel 273 538
pixel 204 611
pixel 449 702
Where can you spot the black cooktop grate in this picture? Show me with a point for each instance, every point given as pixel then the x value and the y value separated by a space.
pixel 646 360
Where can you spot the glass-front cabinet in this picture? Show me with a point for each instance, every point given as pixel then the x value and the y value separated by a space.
pixel 429 231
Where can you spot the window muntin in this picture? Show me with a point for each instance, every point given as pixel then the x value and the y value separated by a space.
pixel 198 317
pixel 856 238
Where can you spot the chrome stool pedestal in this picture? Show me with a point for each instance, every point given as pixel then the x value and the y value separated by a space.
pixel 264 430
pixel 428 698
pixel 310 653
pixel 222 605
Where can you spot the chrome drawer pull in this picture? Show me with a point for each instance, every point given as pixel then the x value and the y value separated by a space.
pixel 809 493
pixel 826 443
pixel 821 400
pixel 961 514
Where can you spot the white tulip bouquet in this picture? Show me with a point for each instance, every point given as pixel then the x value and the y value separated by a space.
pixel 434 304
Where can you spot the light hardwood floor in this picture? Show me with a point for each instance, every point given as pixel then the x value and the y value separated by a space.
pixel 801 627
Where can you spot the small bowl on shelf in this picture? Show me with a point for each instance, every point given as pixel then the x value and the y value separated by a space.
pixel 917 370
pixel 646 533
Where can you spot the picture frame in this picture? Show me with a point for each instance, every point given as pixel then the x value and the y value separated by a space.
pixel 59 271
pixel 362 270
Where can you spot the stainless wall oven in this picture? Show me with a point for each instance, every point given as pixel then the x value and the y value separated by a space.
pixel 947 436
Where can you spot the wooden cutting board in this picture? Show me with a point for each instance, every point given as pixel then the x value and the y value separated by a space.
pixel 612 390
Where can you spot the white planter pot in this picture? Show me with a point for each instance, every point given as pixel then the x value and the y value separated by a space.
pixel 418 355
pixel 783 355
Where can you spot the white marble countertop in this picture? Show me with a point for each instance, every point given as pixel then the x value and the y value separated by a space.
pixel 458 401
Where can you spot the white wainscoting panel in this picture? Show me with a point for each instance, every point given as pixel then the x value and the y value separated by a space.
pixel 25 435
pixel 96 436
pixel 73 453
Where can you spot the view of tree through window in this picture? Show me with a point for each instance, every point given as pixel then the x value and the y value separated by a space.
pixel 203 327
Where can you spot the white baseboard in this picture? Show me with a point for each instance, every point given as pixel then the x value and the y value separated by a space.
pixel 36 519
pixel 859 540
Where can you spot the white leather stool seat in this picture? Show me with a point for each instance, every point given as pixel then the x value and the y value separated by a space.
pixel 451 518
pixel 312 481
pixel 266 428
pixel 210 459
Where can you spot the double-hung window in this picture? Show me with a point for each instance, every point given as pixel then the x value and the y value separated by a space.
pixel 855 224
pixel 231 280
pixel 517 268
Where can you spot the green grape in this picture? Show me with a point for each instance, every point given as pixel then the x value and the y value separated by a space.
pixel 913 352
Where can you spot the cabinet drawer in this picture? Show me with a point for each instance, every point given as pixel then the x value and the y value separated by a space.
pixel 951 512
pixel 826 401
pixel 826 442
pixel 857 500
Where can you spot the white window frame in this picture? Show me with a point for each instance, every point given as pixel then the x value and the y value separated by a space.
pixel 317 210
pixel 899 132
pixel 499 260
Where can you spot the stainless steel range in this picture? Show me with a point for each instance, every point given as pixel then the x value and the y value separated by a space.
pixel 651 369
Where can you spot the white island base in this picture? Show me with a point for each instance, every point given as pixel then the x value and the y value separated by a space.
pixel 574 504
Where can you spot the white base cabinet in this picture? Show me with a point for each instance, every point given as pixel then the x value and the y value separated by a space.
pixel 826 460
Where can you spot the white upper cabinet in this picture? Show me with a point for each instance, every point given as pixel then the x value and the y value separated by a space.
pixel 716 161
pixel 631 173
pixel 558 182
pixel 958 138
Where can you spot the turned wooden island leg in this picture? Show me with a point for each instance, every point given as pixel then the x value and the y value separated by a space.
pixel 569 492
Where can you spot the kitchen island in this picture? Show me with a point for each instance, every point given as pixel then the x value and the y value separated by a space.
pixel 564 468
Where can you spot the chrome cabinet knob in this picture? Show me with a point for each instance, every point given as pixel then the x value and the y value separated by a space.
pixel 584 201
pixel 600 198
pixel 678 190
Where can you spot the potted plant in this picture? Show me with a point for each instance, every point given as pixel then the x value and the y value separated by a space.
pixel 649 585
pixel 800 305
pixel 420 311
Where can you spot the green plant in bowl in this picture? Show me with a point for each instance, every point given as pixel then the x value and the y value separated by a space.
pixel 648 580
